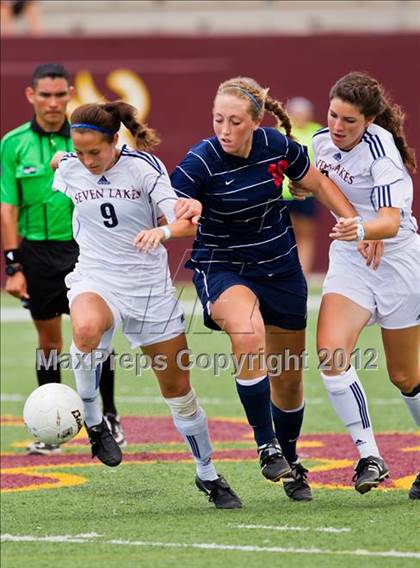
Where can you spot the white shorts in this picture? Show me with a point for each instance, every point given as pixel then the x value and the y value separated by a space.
pixel 391 293
pixel 145 320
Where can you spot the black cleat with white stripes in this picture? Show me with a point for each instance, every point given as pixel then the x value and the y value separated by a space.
pixel 369 472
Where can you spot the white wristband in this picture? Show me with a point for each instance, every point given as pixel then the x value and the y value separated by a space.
pixel 360 234
pixel 167 233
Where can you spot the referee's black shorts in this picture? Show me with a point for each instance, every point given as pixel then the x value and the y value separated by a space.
pixel 45 265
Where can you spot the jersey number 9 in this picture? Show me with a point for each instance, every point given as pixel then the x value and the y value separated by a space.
pixel 108 213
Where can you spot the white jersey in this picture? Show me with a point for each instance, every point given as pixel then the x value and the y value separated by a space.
pixel 110 209
pixel 371 175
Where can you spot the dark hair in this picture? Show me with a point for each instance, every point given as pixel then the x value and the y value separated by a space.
pixel 52 70
pixel 248 89
pixel 109 116
pixel 369 96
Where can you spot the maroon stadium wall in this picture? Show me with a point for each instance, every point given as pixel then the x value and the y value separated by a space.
pixel 174 79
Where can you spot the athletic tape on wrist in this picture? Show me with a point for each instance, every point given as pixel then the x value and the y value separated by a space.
pixel 166 231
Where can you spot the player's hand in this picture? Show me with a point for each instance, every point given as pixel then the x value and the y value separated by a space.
pixel 56 159
pixel 298 192
pixel 345 229
pixel 149 239
pixel 188 209
pixel 162 221
pixel 16 286
pixel 372 251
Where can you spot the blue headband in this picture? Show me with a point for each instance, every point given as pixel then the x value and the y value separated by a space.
pixel 93 127
pixel 248 94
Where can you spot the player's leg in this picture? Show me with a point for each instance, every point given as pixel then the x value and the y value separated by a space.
pixel 47 321
pixel 340 323
pixel 285 361
pixel 106 388
pixel 304 228
pixel 402 358
pixel 93 326
pixel 50 342
pixel 188 416
pixel 237 312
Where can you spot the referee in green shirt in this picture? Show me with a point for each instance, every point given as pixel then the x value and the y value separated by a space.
pixel 30 209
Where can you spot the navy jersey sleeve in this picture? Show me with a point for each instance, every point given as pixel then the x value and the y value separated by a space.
pixel 298 160
pixel 189 177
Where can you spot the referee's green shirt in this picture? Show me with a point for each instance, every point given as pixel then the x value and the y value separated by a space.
pixel 26 181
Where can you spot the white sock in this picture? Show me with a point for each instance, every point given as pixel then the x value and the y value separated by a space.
pixel 413 405
pixel 87 384
pixel 348 398
pixel 194 429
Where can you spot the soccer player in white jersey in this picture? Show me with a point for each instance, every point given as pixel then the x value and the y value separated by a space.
pixel 365 153
pixel 122 277
pixel 246 268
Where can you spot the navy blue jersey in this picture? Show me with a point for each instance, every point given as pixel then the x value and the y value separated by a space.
pixel 245 225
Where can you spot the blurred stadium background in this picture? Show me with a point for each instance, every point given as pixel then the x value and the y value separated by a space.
pixel 167 58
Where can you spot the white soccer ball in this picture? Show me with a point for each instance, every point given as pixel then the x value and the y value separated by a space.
pixel 53 413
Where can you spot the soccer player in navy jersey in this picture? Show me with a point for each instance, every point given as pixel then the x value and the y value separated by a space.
pixel 121 277
pixel 364 151
pixel 246 267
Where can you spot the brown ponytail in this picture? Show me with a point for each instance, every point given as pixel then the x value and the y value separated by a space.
pixel 369 96
pixel 248 89
pixel 109 116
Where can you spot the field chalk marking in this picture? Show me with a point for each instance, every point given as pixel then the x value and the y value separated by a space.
pixel 78 539
pixel 287 528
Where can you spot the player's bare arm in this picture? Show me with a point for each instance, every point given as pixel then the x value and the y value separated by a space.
pixel 385 226
pixel 188 209
pixel 16 283
pixel 327 193
pixel 150 239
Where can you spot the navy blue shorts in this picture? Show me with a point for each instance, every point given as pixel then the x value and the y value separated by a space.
pixel 304 208
pixel 282 298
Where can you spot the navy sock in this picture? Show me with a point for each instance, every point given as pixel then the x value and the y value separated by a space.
pixel 287 426
pixel 48 375
pixel 256 402
pixel 106 387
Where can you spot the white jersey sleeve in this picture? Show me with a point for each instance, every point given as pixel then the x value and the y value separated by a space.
pixel 161 193
pixel 388 179
pixel 59 183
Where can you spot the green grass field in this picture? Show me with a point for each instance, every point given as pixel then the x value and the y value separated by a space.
pixel 69 510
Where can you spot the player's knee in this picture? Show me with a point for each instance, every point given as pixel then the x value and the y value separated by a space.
pixel 48 346
pixel 87 336
pixel 333 355
pixel 402 380
pixel 183 406
pixel 248 343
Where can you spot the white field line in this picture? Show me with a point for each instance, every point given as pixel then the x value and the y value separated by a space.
pixel 14 397
pixel 78 539
pixel 13 315
pixel 288 528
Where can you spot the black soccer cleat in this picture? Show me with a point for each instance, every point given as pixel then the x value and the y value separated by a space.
pixel 114 424
pixel 104 447
pixel 414 492
pixel 219 493
pixel 273 464
pixel 296 485
pixel 370 472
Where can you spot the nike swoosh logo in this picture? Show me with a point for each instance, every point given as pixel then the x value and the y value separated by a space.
pixel 229 182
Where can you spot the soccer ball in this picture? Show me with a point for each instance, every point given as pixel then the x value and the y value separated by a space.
pixel 53 413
